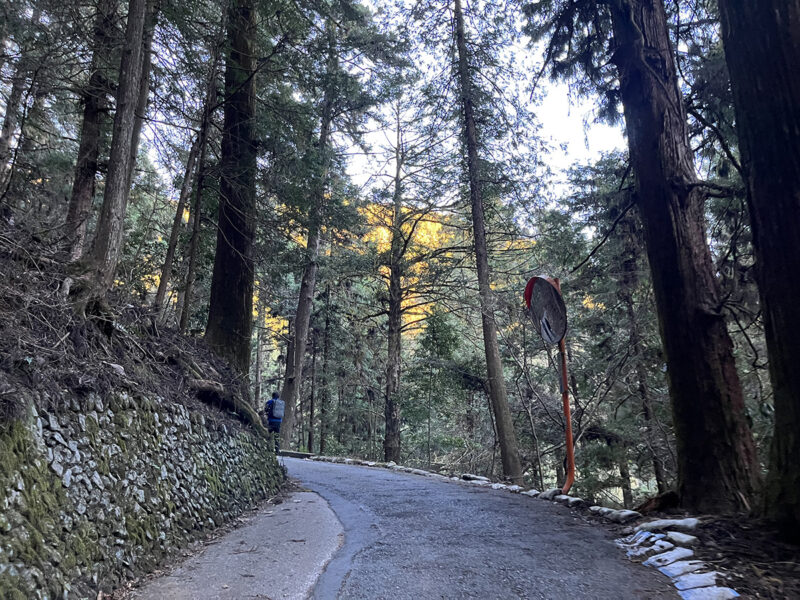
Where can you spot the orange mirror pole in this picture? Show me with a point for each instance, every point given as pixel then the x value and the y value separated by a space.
pixel 562 350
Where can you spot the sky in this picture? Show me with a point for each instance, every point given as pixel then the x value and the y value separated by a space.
pixel 569 122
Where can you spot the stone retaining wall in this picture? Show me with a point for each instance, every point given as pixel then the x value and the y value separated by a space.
pixel 101 490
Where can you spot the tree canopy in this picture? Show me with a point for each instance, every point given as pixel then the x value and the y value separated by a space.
pixel 347 198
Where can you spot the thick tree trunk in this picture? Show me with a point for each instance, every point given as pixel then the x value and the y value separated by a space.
pixel 762 47
pixel 94 108
pixel 497 387
pixel 102 259
pixel 230 312
pixel 305 301
pixel 717 465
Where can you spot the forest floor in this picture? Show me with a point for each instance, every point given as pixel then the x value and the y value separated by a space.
pixel 750 550
pixel 746 549
pixel 46 347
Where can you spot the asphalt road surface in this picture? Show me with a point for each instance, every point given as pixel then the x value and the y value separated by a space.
pixel 407 536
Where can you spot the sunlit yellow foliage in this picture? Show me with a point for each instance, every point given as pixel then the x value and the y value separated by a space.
pixel 275 326
pixel 589 302
pixel 429 234
pixel 151 283
pixel 518 244
pixel 185 216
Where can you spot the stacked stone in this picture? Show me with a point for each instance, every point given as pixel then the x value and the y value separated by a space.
pixel 100 490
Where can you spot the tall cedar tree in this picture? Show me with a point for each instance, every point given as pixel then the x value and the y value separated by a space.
pixel 391 407
pixel 717 465
pixel 512 467
pixel 230 311
pixel 762 48
pixel 94 108
pixel 103 258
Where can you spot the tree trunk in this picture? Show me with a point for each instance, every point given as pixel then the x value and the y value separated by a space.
pixel 172 244
pixel 325 399
pixel 194 240
pixel 230 311
pixel 305 301
pixel 312 397
pixel 625 479
pixel 12 109
pixel 195 213
pixel 717 466
pixel 257 388
pixel 22 71
pixel 94 107
pixel 391 439
pixel 507 438
pixel 102 260
pixel 762 48
pixel 144 85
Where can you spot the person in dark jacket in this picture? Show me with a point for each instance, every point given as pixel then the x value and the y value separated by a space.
pixel 274 410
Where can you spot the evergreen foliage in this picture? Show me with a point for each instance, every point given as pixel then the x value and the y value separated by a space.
pixel 360 274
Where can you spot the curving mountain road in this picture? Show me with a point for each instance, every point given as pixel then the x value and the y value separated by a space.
pixel 416 537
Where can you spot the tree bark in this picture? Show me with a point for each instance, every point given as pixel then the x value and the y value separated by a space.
pixel 497 388
pixel 391 440
pixel 762 48
pixel 230 312
pixel 104 255
pixel 144 85
pixel 94 107
pixel 717 465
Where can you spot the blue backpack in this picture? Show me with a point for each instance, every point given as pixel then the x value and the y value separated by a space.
pixel 276 409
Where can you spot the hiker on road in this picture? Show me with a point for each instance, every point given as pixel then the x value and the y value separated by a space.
pixel 274 410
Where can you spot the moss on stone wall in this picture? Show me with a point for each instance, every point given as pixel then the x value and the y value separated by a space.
pixel 103 491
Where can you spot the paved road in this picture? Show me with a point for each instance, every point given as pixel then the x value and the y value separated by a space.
pixel 408 537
